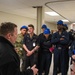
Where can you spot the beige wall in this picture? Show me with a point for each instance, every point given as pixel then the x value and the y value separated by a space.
pixel 20 20
pixel 51 26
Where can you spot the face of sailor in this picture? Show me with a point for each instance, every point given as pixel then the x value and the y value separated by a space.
pixel 30 30
pixel 59 27
pixel 23 31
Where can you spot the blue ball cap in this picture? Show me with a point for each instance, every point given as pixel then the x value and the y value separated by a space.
pixel 65 25
pixel 46 31
pixel 24 27
pixel 44 26
pixel 60 22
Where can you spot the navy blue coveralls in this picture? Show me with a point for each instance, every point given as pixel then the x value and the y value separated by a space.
pixel 71 39
pixel 72 50
pixel 29 42
pixel 60 55
pixel 45 55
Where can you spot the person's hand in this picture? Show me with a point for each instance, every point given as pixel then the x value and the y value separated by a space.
pixel 35 70
pixel 51 49
pixel 29 53
pixel 73 56
pixel 61 38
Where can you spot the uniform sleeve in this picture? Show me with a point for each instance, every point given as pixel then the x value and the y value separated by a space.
pixel 71 38
pixel 11 69
pixel 55 39
pixel 39 40
pixel 66 39
pixel 71 49
pixel 19 41
pixel 24 40
pixel 18 38
pixel 37 43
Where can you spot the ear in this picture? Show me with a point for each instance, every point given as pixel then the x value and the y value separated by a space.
pixel 8 36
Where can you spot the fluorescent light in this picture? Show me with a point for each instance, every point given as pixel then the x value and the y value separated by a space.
pixel 52 13
pixel 65 20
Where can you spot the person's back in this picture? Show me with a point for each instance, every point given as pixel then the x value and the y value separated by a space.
pixel 9 60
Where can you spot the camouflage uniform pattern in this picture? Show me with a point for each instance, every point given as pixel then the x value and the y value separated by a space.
pixel 19 45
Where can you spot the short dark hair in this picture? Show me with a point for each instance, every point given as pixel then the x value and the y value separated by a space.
pixel 7 27
pixel 30 25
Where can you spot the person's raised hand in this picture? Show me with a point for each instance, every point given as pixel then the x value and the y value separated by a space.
pixel 35 70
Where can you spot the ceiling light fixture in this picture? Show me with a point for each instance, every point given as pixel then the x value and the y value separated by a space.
pixel 65 20
pixel 52 13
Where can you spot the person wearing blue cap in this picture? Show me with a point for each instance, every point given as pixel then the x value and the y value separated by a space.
pixel 65 27
pixel 18 45
pixel 72 35
pixel 29 44
pixel 60 39
pixel 43 27
pixel 44 42
pixel 46 31
pixel 60 22
pixel 24 27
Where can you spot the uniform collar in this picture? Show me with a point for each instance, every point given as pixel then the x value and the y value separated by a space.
pixel 32 36
pixel 4 40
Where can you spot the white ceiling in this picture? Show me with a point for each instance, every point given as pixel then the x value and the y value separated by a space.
pixel 24 8
pixel 65 8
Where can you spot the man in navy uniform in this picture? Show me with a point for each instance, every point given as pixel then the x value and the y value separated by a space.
pixel 60 39
pixel 44 42
pixel 29 43
pixel 44 26
pixel 65 28
pixel 71 35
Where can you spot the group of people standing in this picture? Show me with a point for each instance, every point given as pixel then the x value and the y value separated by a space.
pixel 36 50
